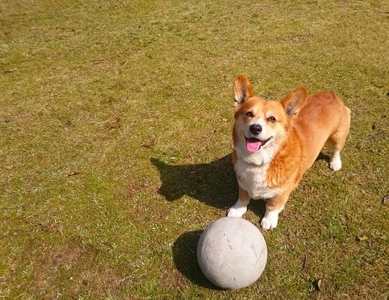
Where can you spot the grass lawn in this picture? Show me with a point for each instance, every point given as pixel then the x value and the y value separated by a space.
pixel 115 142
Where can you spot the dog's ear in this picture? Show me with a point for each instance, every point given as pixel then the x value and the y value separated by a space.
pixel 295 101
pixel 242 90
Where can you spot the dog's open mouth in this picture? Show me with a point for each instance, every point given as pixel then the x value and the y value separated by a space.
pixel 253 144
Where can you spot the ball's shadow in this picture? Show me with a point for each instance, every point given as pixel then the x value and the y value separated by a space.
pixel 185 259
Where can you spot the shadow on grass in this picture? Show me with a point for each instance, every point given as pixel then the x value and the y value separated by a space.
pixel 324 157
pixel 214 184
pixel 185 259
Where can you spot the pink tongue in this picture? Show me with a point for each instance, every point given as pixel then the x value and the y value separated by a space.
pixel 253 145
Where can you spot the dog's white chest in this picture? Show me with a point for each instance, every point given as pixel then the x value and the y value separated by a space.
pixel 252 178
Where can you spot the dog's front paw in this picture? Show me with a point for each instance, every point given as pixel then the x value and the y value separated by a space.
pixel 270 220
pixel 236 212
pixel 238 209
pixel 269 224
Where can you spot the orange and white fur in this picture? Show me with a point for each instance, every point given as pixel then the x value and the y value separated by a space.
pixel 275 142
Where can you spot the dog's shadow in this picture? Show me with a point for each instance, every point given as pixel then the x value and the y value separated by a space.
pixel 214 183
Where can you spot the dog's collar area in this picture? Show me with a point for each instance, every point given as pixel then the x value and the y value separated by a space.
pixel 254 144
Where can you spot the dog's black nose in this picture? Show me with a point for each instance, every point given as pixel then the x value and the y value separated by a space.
pixel 255 129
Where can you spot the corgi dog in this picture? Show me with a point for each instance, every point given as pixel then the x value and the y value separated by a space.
pixel 275 142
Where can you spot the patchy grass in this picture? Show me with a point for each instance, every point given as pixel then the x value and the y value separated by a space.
pixel 115 139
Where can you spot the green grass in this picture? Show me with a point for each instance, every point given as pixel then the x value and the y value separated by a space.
pixel 115 137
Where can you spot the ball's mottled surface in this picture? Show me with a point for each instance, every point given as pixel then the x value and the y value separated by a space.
pixel 232 253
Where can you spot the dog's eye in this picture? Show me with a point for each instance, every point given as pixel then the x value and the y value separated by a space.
pixel 272 119
pixel 249 114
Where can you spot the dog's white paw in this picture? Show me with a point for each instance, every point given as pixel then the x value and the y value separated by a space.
pixel 335 162
pixel 269 223
pixel 237 210
pixel 270 220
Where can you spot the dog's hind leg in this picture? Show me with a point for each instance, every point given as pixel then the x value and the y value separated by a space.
pixel 337 140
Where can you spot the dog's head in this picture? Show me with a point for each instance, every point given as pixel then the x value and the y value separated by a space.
pixel 261 126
